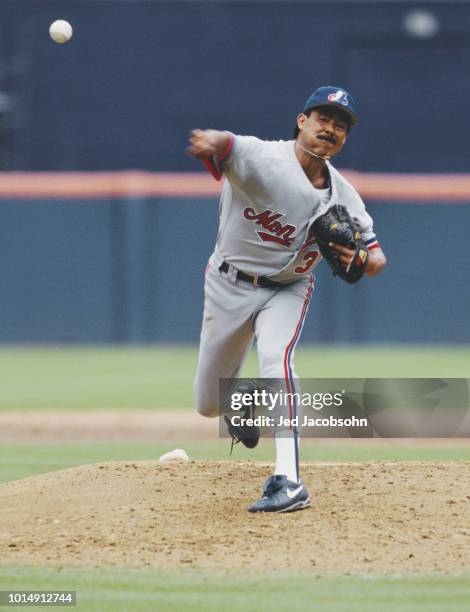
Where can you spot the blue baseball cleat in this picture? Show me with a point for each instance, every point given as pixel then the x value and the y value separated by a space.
pixel 248 435
pixel 281 495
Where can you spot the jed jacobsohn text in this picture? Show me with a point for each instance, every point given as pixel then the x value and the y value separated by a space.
pixel 281 421
pixel 270 399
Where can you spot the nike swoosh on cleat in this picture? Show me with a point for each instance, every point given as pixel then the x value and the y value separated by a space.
pixel 295 492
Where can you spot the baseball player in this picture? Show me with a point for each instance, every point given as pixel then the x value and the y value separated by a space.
pixel 259 280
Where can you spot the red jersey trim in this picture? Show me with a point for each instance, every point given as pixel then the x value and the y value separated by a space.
pixel 213 163
pixel 228 149
pixel 211 166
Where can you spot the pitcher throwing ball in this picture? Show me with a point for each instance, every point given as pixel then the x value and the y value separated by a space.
pixel 283 208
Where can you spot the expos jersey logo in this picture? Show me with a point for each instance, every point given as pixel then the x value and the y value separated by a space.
pixel 269 220
pixel 340 97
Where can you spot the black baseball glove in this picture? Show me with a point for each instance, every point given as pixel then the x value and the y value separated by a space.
pixel 337 226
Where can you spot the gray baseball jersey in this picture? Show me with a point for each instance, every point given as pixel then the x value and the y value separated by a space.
pixel 268 206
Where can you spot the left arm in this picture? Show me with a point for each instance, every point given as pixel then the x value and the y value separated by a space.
pixel 375 262
pixel 376 259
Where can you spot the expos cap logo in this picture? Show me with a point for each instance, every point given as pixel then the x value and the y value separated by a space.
pixel 340 97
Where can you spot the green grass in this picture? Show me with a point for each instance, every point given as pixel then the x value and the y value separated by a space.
pixel 19 460
pixel 162 377
pixel 108 590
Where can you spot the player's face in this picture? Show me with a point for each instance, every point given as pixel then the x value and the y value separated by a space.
pixel 324 131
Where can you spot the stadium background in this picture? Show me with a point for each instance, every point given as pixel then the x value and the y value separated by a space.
pixel 111 258
pixel 106 226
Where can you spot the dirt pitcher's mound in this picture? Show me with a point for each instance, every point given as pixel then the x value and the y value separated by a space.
pixel 391 517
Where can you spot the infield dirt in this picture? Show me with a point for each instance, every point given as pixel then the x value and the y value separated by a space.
pixel 391 517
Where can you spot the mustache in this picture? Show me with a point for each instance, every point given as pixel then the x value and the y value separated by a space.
pixel 328 137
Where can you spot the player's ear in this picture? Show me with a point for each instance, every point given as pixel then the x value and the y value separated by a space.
pixel 301 120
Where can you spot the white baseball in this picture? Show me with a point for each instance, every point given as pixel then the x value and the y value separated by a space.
pixel 60 31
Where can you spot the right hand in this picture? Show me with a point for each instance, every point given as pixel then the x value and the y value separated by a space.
pixel 208 143
pixel 203 143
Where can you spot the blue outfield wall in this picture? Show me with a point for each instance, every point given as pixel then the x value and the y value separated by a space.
pixel 132 271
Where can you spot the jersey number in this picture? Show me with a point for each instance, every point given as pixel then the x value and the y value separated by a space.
pixel 310 258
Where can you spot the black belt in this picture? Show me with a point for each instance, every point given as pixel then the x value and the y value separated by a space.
pixel 257 281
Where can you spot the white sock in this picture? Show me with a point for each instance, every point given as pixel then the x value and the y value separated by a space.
pixel 285 455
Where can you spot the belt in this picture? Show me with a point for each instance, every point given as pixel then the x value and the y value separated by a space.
pixel 257 281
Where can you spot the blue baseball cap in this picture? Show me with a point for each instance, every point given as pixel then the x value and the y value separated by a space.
pixel 333 96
